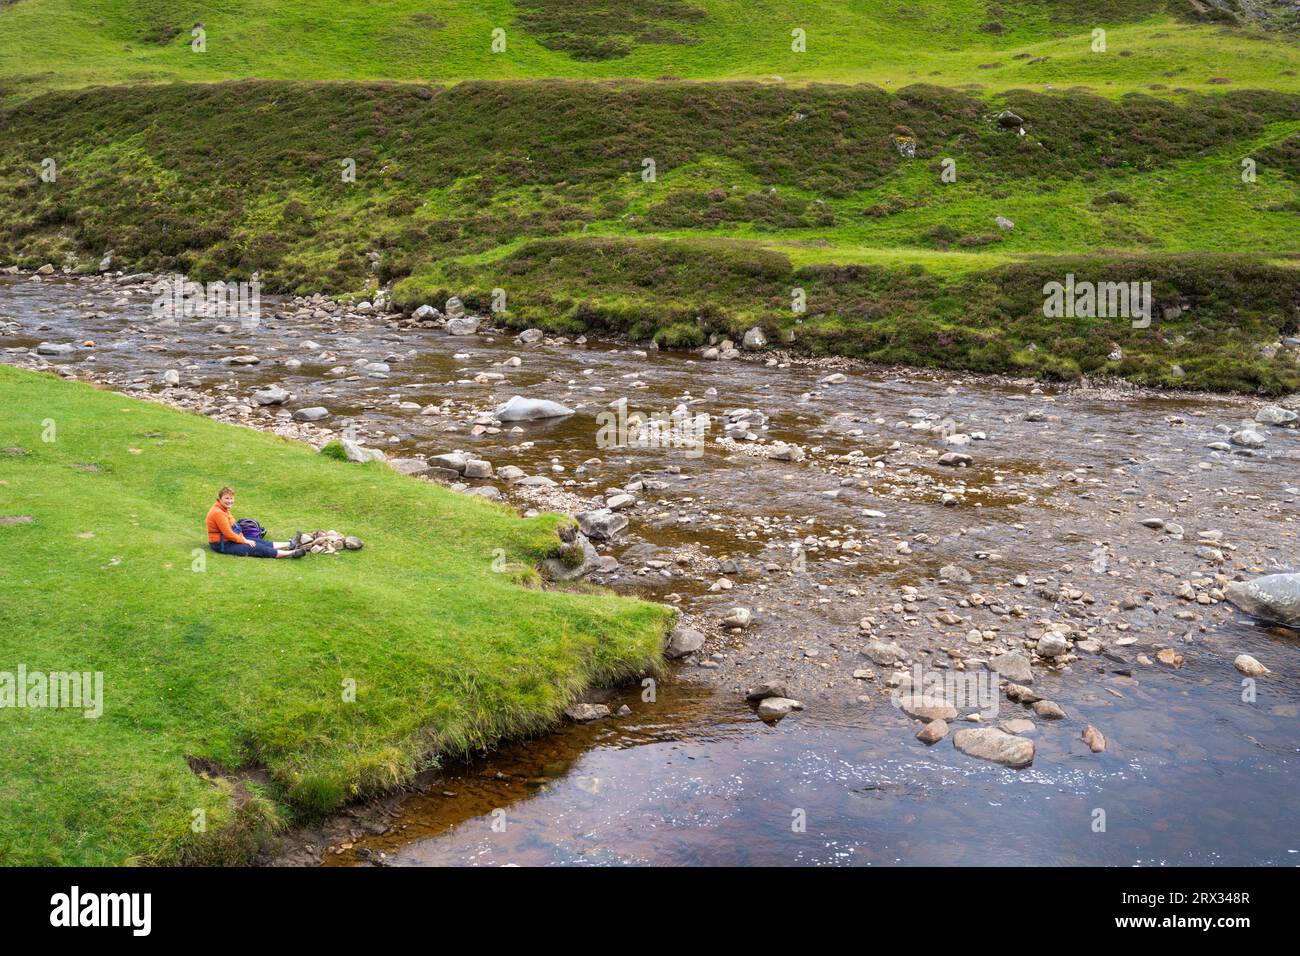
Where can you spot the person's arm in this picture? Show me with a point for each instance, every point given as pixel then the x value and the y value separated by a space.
pixel 228 533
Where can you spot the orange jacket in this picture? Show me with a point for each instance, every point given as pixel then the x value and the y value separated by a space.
pixel 219 526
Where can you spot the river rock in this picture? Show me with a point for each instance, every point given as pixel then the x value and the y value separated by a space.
pixel 1275 597
pixel 989 743
pixel 1052 644
pixel 1049 710
pixel 313 414
pixel 553 569
pixel 275 395
pixel 785 452
pixel 1249 666
pixel 359 453
pixel 1094 738
pixel 477 468
pixel 1275 415
pixel 685 640
pixel 601 524
pixel 768 688
pixel 740 617
pixel 754 339
pixel 884 654
pixel 926 707
pixel 933 732
pixel 954 574
pixel 585 713
pixel 462 325
pixel 55 348
pixel 520 409
pixel 774 708
pixel 1013 666
pixel 454 306
pixel 452 461
pixel 1021 694
pixel 529 336
pixel 955 459
pixel 409 466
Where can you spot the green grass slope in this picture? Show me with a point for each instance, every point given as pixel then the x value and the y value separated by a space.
pixel 224 687
pixel 998 44
pixel 226 179
pixel 470 189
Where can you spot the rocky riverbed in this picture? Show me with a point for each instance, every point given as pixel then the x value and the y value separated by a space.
pixel 958 571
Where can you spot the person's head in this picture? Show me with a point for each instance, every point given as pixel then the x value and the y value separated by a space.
pixel 226 496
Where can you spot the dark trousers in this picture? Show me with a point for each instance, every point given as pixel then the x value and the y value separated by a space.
pixel 262 549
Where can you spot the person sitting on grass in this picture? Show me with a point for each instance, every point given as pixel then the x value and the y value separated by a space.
pixel 224 539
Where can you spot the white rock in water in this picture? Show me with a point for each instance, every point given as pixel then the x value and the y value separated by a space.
pixel 783 452
pixel 1275 415
pixel 1275 597
pixel 54 348
pixel 774 708
pixel 1052 645
pixel 1249 666
pixel 582 713
pixel 520 409
pixel 989 743
pixel 1248 438
pixel 275 395
pixel 313 414
pixel 462 325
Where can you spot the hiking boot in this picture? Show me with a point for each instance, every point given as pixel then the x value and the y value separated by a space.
pixel 299 553
pixel 295 541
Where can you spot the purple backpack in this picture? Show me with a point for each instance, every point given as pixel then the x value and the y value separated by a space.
pixel 250 529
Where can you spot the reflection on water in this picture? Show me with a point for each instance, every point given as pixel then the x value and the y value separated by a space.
pixel 695 778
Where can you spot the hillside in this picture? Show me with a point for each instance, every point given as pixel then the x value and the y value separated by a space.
pixel 999 44
pixel 882 147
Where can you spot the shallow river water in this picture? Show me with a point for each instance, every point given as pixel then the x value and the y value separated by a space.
pixel 1046 522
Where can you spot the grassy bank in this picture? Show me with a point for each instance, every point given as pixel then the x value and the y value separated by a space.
pixel 997 44
pixel 223 688
pixel 989 319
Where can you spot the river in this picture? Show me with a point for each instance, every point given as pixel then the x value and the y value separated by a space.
pixel 867 539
